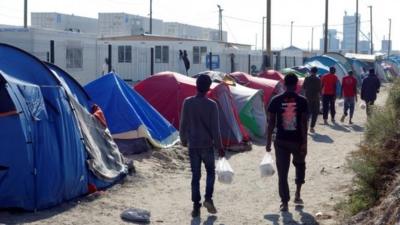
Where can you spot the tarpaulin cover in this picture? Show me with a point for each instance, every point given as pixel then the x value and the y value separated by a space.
pixel 128 114
pixel 43 154
pixel 268 86
pixel 166 92
pixel 71 85
pixel 250 105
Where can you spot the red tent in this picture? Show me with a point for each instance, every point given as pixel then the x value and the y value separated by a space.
pixel 275 75
pixel 271 74
pixel 166 92
pixel 269 87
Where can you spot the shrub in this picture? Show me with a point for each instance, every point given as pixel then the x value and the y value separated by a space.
pixel 375 163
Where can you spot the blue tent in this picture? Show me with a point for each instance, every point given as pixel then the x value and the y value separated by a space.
pixel 46 154
pixel 129 116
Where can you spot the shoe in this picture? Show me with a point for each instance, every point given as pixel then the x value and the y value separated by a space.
pixel 284 207
pixel 325 122
pixel 312 130
pixel 209 204
pixel 298 201
pixel 333 120
pixel 196 212
pixel 350 122
pixel 342 119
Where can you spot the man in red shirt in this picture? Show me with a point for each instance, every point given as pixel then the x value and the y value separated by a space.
pixel 349 93
pixel 328 83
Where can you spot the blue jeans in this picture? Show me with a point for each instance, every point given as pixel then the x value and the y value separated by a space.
pixel 349 103
pixel 205 155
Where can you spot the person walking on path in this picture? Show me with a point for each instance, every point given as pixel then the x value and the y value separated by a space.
pixel 288 113
pixel 349 93
pixel 369 89
pixel 329 82
pixel 200 132
pixel 312 90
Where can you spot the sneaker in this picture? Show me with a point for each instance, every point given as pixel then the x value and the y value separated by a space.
pixel 284 207
pixel 312 130
pixel 333 120
pixel 196 211
pixel 350 122
pixel 209 204
pixel 298 201
pixel 342 119
pixel 325 122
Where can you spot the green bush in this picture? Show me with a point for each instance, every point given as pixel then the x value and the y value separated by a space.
pixel 375 163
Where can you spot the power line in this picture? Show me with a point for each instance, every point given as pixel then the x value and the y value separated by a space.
pixel 288 25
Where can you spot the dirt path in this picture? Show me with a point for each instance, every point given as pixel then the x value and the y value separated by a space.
pixel 162 185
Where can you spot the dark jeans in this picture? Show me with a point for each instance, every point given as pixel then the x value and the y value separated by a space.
pixel 369 105
pixel 313 109
pixel 349 103
pixel 283 150
pixel 205 155
pixel 328 104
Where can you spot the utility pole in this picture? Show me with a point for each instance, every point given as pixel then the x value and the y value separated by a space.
pixel 255 46
pixel 151 17
pixel 357 28
pixel 220 22
pixel 326 26
pixel 262 36
pixel 25 13
pixel 312 39
pixel 371 35
pixel 390 33
pixel 291 33
pixel 268 44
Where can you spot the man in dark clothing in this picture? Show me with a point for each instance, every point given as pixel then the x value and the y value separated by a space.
pixel 312 90
pixel 369 88
pixel 200 131
pixel 186 61
pixel 329 82
pixel 288 113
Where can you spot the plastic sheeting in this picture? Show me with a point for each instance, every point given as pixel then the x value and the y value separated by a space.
pixel 166 92
pixel 128 114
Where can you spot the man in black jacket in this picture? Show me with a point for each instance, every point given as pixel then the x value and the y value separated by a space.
pixel 200 131
pixel 369 89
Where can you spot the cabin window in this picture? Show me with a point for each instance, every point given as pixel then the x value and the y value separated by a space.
pixel 74 56
pixel 199 54
pixel 162 54
pixel 124 54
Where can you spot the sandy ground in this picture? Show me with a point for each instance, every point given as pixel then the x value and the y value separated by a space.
pixel 162 185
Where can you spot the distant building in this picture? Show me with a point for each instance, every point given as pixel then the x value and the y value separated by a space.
pixel 63 22
pixel 290 57
pixel 123 24
pixel 385 45
pixel 174 29
pixel 349 32
pixel 364 47
pixel 333 41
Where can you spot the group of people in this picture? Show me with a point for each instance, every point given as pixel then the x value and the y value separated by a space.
pixel 325 88
pixel 289 115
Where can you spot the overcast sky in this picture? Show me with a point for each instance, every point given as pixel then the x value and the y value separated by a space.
pixel 241 18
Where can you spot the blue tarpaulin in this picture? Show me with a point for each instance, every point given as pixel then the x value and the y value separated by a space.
pixel 43 156
pixel 128 114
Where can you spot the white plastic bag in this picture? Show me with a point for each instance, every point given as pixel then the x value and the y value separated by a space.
pixel 340 102
pixel 266 167
pixel 224 171
pixel 362 105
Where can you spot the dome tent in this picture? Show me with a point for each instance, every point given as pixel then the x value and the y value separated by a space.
pixel 129 116
pixel 48 156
